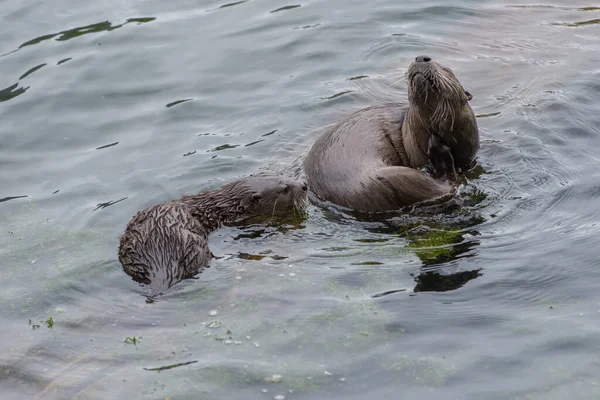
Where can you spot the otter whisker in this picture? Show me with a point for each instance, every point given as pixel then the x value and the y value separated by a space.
pixel 397 81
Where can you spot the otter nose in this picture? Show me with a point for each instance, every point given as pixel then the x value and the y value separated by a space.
pixel 304 186
pixel 423 59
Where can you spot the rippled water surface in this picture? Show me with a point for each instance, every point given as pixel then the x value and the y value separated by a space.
pixel 108 107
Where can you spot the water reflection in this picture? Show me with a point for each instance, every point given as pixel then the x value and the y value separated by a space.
pixel 285 8
pixel 109 203
pixel 232 4
pixel 105 26
pixel 432 281
pixel 32 70
pixel 167 367
pixel 2 200
pixel 437 241
pixel 11 92
pixel 14 90
pixel 578 24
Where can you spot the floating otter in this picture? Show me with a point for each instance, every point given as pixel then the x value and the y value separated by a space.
pixel 168 242
pixel 368 161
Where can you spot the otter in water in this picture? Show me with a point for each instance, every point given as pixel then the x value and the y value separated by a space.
pixel 369 161
pixel 168 242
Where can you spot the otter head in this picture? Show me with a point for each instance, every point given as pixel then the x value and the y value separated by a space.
pixel 268 196
pixel 435 90
pixel 439 104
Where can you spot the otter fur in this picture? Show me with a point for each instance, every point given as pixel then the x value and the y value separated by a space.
pixel 370 160
pixel 441 161
pixel 168 242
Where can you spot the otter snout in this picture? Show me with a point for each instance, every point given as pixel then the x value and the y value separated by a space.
pixel 422 58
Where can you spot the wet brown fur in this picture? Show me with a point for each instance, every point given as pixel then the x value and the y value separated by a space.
pixel 168 242
pixel 368 161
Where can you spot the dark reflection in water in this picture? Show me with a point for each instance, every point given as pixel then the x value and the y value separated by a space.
pixel 285 8
pixel 109 203
pixel 578 24
pixel 2 200
pixel 84 30
pixel 387 293
pixel 11 92
pixel 232 4
pixel 437 240
pixel 32 70
pixel 107 145
pixel 436 282
pixel 177 102
pixel 166 367
pixel 64 60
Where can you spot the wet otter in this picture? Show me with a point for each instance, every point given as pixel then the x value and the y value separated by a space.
pixel 168 242
pixel 368 161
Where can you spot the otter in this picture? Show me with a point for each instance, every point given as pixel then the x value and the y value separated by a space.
pixel 168 242
pixel 369 161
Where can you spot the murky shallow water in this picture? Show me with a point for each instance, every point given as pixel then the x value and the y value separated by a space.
pixel 498 300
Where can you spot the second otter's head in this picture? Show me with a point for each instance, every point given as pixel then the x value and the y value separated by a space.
pixel 267 196
pixel 434 89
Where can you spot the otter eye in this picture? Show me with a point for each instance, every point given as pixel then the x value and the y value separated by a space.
pixel 469 95
pixel 286 189
pixel 256 197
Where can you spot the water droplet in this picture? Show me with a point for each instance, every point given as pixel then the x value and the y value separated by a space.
pixel 256 345
pixel 33 261
pixel 292 274
pixel 279 397
pixel 212 313
pixel 327 373
pixel 342 379
pixel 264 390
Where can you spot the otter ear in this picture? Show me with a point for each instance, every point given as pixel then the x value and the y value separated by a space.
pixel 469 95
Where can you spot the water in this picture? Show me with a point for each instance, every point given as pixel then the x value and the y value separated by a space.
pixel 498 300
